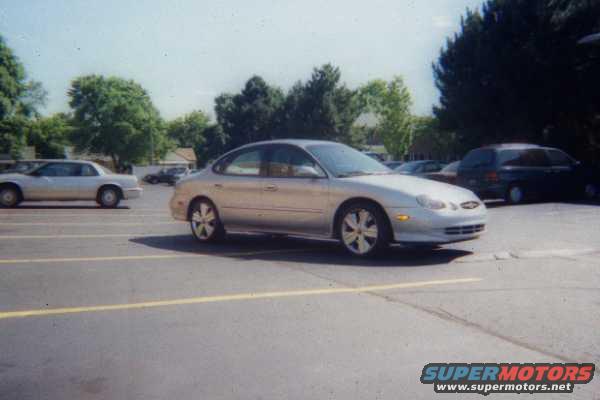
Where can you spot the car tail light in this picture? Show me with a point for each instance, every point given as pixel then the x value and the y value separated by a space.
pixel 491 177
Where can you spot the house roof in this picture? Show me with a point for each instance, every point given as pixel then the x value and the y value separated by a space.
pixel 187 153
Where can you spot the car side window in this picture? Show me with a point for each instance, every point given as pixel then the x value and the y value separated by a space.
pixel 478 158
pixel 88 170
pixel 559 158
pixel 431 167
pixel 535 158
pixel 245 163
pixel 60 170
pixel 289 162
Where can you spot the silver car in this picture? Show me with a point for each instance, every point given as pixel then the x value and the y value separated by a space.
pixel 323 189
pixel 68 180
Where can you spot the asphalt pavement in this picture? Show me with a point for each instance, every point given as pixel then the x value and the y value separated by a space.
pixel 124 304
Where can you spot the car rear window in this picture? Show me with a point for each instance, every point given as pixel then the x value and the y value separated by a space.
pixel 478 158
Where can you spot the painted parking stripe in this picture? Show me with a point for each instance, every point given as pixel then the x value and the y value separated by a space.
pixel 89 223
pixel 172 256
pixel 233 297
pixel 100 236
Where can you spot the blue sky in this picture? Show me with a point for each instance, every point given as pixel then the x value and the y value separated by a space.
pixel 186 52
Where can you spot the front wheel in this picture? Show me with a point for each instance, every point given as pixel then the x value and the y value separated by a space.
pixel 205 222
pixel 9 197
pixel 363 230
pixel 590 191
pixel 515 194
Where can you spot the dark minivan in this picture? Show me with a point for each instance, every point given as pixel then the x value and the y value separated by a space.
pixel 520 172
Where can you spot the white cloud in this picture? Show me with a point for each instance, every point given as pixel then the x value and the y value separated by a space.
pixel 442 21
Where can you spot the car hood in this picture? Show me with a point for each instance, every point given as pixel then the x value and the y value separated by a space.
pixel 413 186
pixel 11 176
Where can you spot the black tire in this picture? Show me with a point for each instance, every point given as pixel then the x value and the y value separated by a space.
pixel 590 191
pixel 109 197
pixel 353 239
pixel 205 221
pixel 9 196
pixel 515 194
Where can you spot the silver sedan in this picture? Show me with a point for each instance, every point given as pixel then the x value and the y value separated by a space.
pixel 323 189
pixel 68 180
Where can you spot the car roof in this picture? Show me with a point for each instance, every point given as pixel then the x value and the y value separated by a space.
pixel 296 142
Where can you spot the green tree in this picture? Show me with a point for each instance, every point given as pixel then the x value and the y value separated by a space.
pixel 251 115
pixel 50 135
pixel 390 102
pixel 19 99
pixel 116 117
pixel 514 71
pixel 215 143
pixel 188 131
pixel 322 108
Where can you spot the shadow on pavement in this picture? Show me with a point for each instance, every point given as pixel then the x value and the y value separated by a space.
pixel 299 250
pixel 66 207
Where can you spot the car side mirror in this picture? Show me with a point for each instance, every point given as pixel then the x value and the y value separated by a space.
pixel 306 171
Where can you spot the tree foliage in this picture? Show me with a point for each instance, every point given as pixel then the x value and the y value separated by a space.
pixel 19 99
pixel 50 135
pixel 322 108
pixel 250 115
pixel 515 72
pixel 116 117
pixel 390 102
pixel 188 130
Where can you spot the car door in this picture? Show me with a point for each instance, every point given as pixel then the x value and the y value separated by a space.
pixel 295 192
pixel 537 172
pixel 55 181
pixel 564 177
pixel 89 182
pixel 237 188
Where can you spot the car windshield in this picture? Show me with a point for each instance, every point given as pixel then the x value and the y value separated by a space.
pixel 409 166
pixel 343 161
pixel 452 167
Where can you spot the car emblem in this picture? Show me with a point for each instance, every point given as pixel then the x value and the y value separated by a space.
pixel 470 205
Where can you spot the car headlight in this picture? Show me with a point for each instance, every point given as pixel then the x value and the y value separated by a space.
pixel 432 204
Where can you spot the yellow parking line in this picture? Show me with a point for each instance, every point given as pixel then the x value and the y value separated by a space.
pixel 149 257
pixel 99 214
pixel 234 297
pixel 101 236
pixel 88 223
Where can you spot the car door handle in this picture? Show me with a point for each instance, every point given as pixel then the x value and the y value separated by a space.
pixel 218 186
pixel 270 188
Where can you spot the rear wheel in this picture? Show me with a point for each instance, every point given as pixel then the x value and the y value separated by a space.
pixel 109 197
pixel 9 196
pixel 363 229
pixel 205 222
pixel 515 194
pixel 590 191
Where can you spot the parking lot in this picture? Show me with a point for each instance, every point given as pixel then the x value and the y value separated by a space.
pixel 115 304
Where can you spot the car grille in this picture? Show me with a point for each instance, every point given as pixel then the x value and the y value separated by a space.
pixel 464 230
pixel 470 205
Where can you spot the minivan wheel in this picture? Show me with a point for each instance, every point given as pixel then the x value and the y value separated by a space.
pixel 590 191
pixel 515 194
pixel 9 197
pixel 205 222
pixel 363 230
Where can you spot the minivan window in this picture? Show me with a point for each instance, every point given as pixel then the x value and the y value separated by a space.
pixel 478 158
pixel 559 158
pixel 523 158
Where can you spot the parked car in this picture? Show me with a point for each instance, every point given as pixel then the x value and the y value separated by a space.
pixel 177 175
pixel 520 172
pixel 420 168
pixel 376 156
pixel 446 174
pixel 165 175
pixel 393 164
pixel 23 166
pixel 323 189
pixel 68 180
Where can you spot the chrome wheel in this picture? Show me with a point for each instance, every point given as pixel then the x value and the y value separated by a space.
pixel 8 197
pixel 591 191
pixel 360 231
pixel 109 197
pixel 204 221
pixel 515 195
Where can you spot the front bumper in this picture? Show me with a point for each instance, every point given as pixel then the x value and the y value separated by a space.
pixel 132 193
pixel 437 227
pixel 179 206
